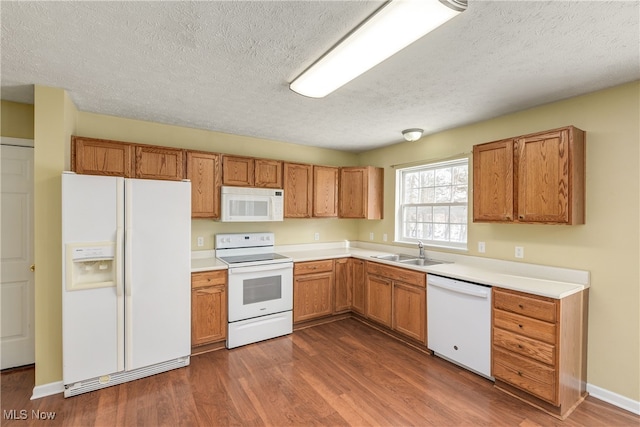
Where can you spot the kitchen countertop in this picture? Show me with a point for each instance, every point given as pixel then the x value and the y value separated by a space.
pixel 552 282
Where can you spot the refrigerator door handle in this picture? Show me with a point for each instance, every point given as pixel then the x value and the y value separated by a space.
pixel 119 260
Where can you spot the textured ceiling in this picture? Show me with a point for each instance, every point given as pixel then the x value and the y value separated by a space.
pixel 225 66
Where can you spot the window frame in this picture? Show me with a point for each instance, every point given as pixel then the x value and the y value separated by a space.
pixel 399 205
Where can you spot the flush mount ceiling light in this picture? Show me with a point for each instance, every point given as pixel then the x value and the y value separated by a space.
pixel 412 134
pixel 392 28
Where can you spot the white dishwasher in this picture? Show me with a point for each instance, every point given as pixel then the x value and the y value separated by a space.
pixel 459 322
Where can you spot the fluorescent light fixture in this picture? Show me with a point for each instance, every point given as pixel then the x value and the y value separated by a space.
pixel 392 28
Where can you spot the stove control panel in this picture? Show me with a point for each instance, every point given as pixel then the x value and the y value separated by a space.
pixel 244 240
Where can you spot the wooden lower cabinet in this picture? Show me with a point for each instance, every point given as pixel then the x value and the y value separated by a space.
pixel 208 307
pixel 410 311
pixel 357 285
pixel 396 298
pixel 378 299
pixel 343 285
pixel 313 290
pixel 539 348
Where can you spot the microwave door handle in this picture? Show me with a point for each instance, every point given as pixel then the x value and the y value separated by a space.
pixel 260 268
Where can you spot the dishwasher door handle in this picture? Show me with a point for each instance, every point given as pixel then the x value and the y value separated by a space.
pixel 461 288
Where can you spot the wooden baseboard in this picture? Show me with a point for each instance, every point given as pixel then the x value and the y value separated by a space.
pixel 555 411
pixel 206 348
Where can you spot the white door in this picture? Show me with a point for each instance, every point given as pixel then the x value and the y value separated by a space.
pixel 17 279
pixel 157 271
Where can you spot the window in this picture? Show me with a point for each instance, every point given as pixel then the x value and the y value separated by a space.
pixel 432 203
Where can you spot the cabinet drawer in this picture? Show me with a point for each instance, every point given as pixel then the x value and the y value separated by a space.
pixel 312 267
pixel 526 326
pixel 527 305
pixel 528 375
pixel 208 278
pixel 399 274
pixel 541 351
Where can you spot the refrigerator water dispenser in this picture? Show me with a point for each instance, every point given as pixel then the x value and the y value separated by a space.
pixel 90 265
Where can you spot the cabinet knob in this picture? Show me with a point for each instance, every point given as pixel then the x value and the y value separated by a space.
pixel 520 373
pixel 520 216
pixel 521 306
pixel 33 267
pixel 520 326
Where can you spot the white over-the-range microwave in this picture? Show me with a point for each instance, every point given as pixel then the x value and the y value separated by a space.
pixel 243 204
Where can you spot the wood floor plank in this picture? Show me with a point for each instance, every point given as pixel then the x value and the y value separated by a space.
pixel 343 373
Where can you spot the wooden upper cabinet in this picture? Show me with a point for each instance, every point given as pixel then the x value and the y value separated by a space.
pixel 361 192
pixel 101 157
pixel 550 177
pixel 268 173
pixel 325 191
pixel 159 163
pixel 238 171
pixel 298 186
pixel 493 181
pixel 204 172
pixel 536 178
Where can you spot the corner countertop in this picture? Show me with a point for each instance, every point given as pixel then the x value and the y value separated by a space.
pixel 547 281
pixel 205 261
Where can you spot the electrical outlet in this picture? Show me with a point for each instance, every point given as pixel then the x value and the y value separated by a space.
pixel 384 237
pixel 316 236
pixel 519 252
pixel 200 241
pixel 370 236
pixel 481 247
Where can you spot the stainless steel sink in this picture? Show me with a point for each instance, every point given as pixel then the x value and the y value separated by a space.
pixel 396 257
pixel 418 261
pixel 408 259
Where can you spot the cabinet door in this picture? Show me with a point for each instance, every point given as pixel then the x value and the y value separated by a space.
pixel 325 191
pixel 159 163
pixel 353 190
pixel 493 181
pixel 543 171
pixel 361 192
pixel 343 296
pixel 409 311
pixel 208 315
pixel 238 171
pixel 100 157
pixel 203 169
pixel 312 296
pixel 378 296
pixel 268 173
pixel 357 283
pixel 298 185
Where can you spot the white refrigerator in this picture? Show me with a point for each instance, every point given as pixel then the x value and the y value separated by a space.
pixel 126 292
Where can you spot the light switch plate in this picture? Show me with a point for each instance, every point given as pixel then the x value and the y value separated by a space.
pixel 200 241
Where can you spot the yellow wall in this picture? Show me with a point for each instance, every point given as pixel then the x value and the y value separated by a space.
pixel 607 245
pixel 54 123
pixel 16 120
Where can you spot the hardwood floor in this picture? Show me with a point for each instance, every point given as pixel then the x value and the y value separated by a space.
pixel 335 374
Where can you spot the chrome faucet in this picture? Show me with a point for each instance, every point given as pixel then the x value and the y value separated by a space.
pixel 421 248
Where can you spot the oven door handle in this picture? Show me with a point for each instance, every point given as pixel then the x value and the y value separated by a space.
pixel 260 268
